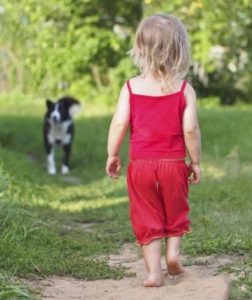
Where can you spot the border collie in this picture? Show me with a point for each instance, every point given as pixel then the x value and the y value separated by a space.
pixel 59 129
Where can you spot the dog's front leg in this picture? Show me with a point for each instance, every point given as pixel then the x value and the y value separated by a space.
pixel 51 168
pixel 65 159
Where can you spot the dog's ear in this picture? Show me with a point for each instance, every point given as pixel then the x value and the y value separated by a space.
pixel 49 103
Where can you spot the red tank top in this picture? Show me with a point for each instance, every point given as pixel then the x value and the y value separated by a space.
pixel 156 125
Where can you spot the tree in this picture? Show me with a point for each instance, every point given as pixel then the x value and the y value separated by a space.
pixel 221 38
pixel 59 43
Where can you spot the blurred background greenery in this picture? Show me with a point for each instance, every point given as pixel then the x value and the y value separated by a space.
pixel 79 47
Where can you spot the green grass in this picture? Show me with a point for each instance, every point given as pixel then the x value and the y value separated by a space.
pixel 42 217
pixel 10 289
pixel 241 288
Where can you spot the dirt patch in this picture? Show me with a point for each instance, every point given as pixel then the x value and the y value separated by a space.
pixel 200 282
pixel 71 179
pixel 85 226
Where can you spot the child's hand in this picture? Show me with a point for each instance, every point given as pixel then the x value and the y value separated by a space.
pixel 113 166
pixel 194 174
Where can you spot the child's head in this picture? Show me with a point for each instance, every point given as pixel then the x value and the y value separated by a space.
pixel 161 48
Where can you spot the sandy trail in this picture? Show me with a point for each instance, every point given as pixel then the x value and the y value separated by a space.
pixel 199 283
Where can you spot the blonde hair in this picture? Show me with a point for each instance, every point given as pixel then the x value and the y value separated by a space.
pixel 161 47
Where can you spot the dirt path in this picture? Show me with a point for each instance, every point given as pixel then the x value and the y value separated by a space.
pixel 199 283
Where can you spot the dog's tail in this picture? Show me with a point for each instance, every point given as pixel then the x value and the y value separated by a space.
pixel 75 109
pixel 73 105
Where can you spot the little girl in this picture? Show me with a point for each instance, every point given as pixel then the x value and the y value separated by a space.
pixel 160 108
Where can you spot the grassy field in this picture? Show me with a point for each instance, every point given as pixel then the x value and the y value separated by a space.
pixel 44 219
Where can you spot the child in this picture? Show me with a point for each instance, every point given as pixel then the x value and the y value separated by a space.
pixel 160 108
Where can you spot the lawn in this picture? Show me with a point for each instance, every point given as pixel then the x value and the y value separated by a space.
pixel 44 219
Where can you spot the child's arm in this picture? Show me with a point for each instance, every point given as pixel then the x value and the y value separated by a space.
pixel 117 131
pixel 192 134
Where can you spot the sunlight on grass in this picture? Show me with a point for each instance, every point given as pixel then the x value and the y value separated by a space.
pixel 247 169
pixel 77 206
pixel 228 169
pixel 75 198
pixel 210 170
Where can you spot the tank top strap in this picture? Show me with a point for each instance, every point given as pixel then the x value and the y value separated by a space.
pixel 129 87
pixel 183 86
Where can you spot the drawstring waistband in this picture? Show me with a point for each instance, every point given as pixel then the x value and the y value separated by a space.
pixel 158 160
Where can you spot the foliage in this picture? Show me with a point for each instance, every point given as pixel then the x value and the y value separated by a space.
pixel 221 39
pixel 54 47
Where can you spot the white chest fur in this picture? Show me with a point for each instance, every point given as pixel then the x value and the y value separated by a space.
pixel 59 132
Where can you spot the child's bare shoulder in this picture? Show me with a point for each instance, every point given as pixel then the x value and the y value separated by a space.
pixel 136 83
pixel 190 93
pixel 136 79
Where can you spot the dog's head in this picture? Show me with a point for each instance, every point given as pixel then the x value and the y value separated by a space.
pixel 54 111
pixel 61 110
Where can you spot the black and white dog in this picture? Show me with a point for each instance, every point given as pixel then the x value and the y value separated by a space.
pixel 59 129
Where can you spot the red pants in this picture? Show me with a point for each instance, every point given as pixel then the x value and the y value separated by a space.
pixel 158 193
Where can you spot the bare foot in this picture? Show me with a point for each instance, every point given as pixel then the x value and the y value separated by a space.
pixel 174 267
pixel 153 280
